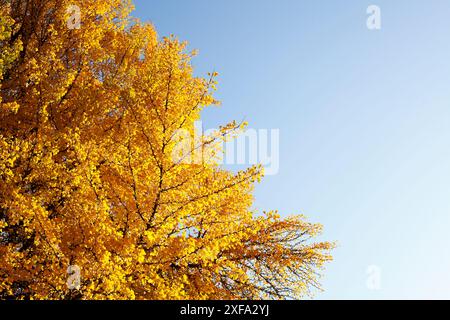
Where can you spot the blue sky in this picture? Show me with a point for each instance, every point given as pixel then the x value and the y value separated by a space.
pixel 364 119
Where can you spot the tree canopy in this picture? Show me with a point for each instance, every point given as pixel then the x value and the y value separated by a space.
pixel 89 117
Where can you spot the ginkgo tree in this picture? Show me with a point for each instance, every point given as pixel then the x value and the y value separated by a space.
pixel 91 178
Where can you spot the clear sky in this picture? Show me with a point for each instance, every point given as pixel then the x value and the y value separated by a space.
pixel 364 119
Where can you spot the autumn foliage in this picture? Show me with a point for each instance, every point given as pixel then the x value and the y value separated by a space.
pixel 88 131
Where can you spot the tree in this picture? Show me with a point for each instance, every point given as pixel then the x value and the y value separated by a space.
pixel 89 123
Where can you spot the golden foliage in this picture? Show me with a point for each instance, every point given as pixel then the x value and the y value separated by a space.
pixel 88 120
